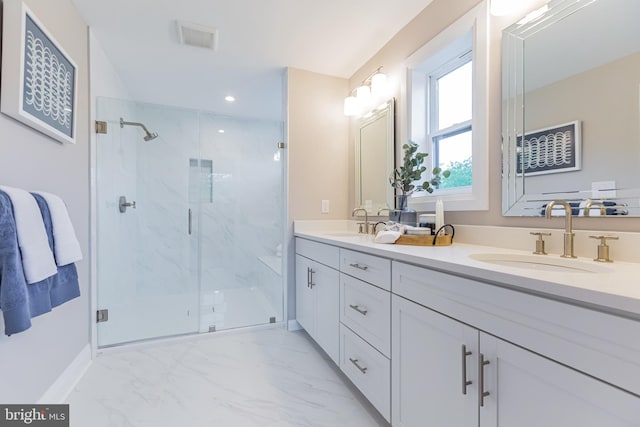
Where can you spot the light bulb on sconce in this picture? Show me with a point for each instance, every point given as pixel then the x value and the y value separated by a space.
pixel 379 85
pixel 363 95
pixel 351 107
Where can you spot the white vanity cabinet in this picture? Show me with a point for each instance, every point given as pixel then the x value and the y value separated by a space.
pixel 365 329
pixel 447 369
pixel 317 294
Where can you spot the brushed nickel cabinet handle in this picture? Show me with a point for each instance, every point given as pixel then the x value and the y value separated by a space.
pixel 308 277
pixel 359 267
pixel 311 284
pixel 481 393
pixel 190 220
pixel 358 309
pixel 465 381
pixel 357 365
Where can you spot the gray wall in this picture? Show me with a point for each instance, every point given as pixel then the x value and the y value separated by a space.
pixel 31 361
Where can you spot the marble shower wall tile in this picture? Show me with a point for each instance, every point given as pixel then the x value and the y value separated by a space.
pixel 244 221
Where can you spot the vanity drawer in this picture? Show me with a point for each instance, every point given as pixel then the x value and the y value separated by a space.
pixel 324 254
pixel 369 268
pixel 368 369
pixel 366 309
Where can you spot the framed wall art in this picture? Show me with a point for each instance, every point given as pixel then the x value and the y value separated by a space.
pixel 39 79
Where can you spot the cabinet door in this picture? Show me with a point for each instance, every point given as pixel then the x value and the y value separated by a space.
pixel 325 283
pixel 305 301
pixel 428 368
pixel 528 390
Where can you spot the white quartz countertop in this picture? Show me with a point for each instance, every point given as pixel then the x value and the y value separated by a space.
pixel 613 287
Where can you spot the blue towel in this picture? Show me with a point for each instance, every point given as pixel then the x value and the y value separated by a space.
pixel 14 300
pixel 63 286
pixel 19 301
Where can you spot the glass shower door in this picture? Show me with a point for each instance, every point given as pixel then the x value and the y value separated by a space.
pixel 240 223
pixel 146 255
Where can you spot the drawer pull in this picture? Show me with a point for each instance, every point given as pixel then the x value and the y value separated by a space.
pixel 359 267
pixel 358 309
pixel 465 381
pixel 360 368
pixel 481 393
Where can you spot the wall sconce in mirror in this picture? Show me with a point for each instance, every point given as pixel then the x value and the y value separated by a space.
pixel 372 92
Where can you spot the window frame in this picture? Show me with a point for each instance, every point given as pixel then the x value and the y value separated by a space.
pixel 471 30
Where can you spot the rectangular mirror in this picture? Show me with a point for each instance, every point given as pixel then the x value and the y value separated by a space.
pixel 571 108
pixel 375 159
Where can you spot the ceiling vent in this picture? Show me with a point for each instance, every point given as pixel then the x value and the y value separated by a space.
pixel 197 35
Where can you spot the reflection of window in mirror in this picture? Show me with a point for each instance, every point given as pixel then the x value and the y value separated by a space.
pixel 446 92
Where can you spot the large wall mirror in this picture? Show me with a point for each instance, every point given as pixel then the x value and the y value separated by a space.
pixel 375 159
pixel 571 109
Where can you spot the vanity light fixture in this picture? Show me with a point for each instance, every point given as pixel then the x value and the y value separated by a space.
pixel 372 90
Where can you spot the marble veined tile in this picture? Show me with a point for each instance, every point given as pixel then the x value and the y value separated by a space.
pixel 263 378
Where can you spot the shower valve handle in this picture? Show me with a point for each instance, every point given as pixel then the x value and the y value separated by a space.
pixel 123 204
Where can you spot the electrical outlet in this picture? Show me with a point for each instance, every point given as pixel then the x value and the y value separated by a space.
pixel 325 206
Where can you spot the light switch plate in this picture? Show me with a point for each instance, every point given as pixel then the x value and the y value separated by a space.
pixel 325 206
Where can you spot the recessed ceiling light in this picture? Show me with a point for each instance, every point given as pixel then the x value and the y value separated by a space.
pixel 229 98
pixel 220 130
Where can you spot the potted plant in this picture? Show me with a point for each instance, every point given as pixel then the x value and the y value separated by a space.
pixel 403 177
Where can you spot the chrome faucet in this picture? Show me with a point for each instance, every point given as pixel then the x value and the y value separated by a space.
pixel 568 231
pixel 590 203
pixel 366 219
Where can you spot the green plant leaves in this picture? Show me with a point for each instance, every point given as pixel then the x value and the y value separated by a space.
pixel 402 178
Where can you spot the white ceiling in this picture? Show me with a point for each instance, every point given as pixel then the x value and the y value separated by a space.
pixel 257 39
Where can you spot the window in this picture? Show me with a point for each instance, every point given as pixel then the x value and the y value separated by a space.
pixel 449 123
pixel 446 90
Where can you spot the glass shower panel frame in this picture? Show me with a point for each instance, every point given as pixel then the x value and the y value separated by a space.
pixel 147 278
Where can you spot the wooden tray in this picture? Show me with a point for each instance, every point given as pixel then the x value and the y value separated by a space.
pixel 441 240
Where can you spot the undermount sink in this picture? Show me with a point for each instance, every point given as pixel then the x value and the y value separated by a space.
pixel 552 263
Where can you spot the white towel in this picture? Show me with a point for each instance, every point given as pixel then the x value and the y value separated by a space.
pixel 387 236
pixel 37 258
pixel 66 247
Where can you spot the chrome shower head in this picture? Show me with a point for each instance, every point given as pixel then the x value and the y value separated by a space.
pixel 149 135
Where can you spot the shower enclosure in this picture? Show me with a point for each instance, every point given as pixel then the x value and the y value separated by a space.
pixel 189 223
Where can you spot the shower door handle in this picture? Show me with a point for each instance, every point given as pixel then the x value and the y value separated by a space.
pixel 190 221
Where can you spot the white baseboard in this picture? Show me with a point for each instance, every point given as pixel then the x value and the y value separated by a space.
pixel 293 325
pixel 63 386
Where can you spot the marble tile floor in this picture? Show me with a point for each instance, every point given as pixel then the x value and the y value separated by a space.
pixel 265 378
